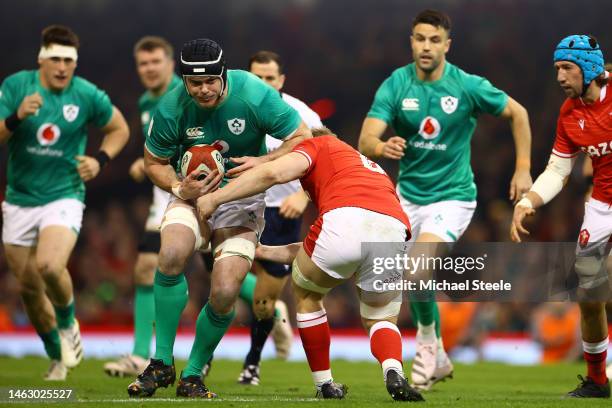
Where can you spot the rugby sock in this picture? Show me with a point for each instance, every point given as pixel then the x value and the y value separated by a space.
pixel 427 333
pixel 386 346
pixel 260 330
pixel 210 328
pixel 424 308
pixel 437 320
pixel 64 315
pixel 247 290
pixel 144 318
pixel 595 355
pixel 51 340
pixel 316 339
pixel 171 295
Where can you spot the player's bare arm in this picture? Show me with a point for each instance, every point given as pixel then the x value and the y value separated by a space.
pixel 137 172
pixel 294 205
pixel 116 135
pixel 284 254
pixel 546 187
pixel 257 180
pixel 29 106
pixel 301 133
pixel 519 123
pixel 371 145
pixel 162 174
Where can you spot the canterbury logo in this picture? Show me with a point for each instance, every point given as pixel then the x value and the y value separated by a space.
pixel 194 132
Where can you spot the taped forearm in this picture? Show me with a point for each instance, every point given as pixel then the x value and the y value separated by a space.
pixel 551 181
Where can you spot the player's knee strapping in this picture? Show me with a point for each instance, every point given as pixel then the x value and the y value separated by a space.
pixel 186 217
pixel 591 271
pixel 305 283
pixel 236 247
pixel 391 309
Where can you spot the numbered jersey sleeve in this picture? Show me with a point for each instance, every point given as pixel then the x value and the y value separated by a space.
pixel 339 176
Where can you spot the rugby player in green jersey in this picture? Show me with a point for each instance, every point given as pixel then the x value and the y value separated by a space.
pixel 232 110
pixel 433 106
pixel 45 114
pixel 154 58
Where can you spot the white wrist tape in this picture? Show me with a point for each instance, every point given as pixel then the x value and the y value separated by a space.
pixel 525 202
pixel 551 181
pixel 176 190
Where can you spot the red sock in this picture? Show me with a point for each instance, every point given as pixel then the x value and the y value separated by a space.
pixel 316 339
pixel 386 345
pixel 596 366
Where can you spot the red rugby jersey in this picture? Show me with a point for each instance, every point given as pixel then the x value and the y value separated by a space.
pixel 339 176
pixel 589 128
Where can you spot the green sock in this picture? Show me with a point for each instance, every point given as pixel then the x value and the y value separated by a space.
pixel 415 314
pixel 51 341
pixel 210 328
pixel 437 320
pixel 144 319
pixel 171 297
pixel 424 304
pixel 247 290
pixel 64 315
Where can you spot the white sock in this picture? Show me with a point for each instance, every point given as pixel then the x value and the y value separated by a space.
pixel 321 377
pixel 392 364
pixel 427 333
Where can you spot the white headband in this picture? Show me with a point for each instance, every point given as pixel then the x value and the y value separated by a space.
pixel 57 50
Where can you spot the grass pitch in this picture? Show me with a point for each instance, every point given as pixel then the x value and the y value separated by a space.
pixel 289 385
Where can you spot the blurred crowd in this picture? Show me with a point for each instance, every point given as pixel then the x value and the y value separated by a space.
pixel 337 53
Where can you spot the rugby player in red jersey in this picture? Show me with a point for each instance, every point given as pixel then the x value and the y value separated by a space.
pixel 356 203
pixel 585 123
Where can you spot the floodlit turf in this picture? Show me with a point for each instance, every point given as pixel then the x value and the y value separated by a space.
pixel 289 384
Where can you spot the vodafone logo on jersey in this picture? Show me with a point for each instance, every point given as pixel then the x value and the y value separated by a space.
pixel 48 134
pixel 430 128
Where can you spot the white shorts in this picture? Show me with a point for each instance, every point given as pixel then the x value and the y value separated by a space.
pixel 338 241
pixel 158 207
pixel 446 219
pixel 23 224
pixel 596 227
pixel 247 212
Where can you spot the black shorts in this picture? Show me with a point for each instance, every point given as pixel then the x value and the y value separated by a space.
pixel 150 242
pixel 279 231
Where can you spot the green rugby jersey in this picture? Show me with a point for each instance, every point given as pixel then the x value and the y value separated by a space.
pixel 437 119
pixel 148 102
pixel 238 125
pixel 42 150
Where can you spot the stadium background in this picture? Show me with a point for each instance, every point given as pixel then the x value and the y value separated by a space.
pixel 336 55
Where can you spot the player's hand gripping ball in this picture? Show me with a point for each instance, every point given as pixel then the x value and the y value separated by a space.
pixel 204 158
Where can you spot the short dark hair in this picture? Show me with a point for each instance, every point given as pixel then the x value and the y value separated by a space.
pixel 322 131
pixel 150 43
pixel 264 57
pixel 59 34
pixel 433 17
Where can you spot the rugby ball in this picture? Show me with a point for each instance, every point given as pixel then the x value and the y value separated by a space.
pixel 204 158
